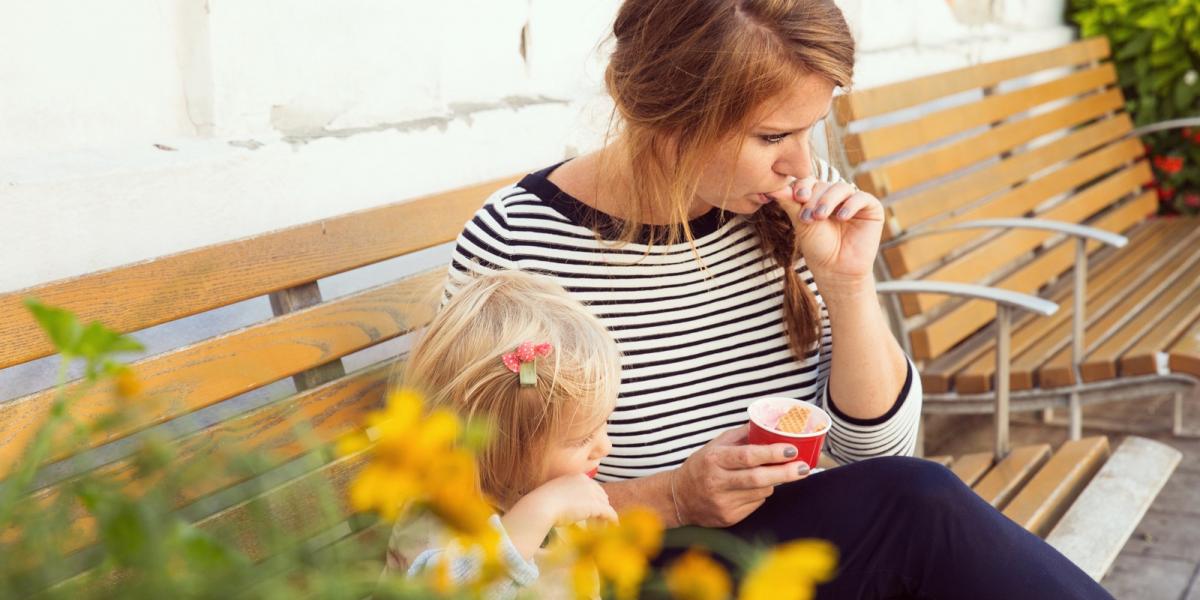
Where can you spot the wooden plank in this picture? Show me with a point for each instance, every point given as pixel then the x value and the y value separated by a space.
pixel 970 467
pixel 273 431
pixel 1145 357
pixel 1046 497
pixel 935 125
pixel 937 337
pixel 1107 284
pixel 184 284
pixel 1023 200
pixel 1009 246
pixel 1101 363
pixel 1100 521
pixel 909 172
pixel 1184 356
pixel 297 509
pixel 941 460
pixel 912 210
pixel 1057 371
pixel 196 376
pixel 870 102
pixel 292 300
pixel 1006 478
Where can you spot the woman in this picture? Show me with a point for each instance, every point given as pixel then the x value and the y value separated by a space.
pixel 727 261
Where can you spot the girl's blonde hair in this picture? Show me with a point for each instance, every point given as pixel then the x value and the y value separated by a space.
pixel 687 74
pixel 458 364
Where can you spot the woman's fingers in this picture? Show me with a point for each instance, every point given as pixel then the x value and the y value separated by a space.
pixel 826 201
pixel 802 189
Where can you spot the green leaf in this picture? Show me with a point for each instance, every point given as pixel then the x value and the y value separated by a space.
pixel 1185 96
pixel 60 325
pixel 1136 46
pixel 125 532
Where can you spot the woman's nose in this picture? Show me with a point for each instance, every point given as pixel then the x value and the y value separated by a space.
pixel 795 160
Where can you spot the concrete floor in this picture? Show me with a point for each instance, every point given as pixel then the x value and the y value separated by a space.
pixel 1162 559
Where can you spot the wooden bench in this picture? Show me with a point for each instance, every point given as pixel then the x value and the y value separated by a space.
pixel 307 340
pixel 1020 270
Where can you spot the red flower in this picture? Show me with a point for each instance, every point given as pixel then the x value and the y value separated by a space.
pixel 1187 132
pixel 1192 200
pixel 1165 193
pixel 1169 164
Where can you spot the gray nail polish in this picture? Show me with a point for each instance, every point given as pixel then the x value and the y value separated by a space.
pixel 822 209
pixel 802 468
pixel 806 214
pixel 789 452
pixel 803 193
pixel 844 213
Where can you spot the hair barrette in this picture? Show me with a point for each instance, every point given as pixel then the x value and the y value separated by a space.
pixel 523 361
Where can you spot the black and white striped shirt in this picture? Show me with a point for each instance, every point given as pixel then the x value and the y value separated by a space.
pixel 698 343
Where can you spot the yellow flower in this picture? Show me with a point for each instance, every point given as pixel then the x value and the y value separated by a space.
pixel 128 385
pixel 696 576
pixel 790 571
pixel 613 553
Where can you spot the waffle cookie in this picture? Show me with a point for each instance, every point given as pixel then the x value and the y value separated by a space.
pixel 794 421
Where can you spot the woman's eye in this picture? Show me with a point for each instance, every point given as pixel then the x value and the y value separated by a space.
pixel 773 138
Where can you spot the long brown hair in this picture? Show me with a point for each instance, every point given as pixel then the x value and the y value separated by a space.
pixel 685 75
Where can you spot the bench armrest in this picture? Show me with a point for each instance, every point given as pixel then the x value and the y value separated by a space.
pixel 1072 229
pixel 980 292
pixel 1165 125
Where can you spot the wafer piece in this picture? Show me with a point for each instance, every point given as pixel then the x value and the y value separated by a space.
pixel 794 421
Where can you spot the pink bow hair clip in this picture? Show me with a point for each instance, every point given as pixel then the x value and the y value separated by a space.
pixel 524 361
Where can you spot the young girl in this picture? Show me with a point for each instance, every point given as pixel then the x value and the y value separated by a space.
pixel 514 350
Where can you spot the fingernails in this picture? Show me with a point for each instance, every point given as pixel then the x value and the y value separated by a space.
pixel 806 214
pixel 822 209
pixel 789 452
pixel 844 213
pixel 803 193
pixel 802 468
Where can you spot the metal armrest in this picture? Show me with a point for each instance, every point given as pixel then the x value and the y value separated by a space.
pixel 1165 125
pixel 1072 229
pixel 999 296
pixel 1006 301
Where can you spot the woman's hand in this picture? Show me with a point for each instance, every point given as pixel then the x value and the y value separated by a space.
pixel 726 480
pixel 837 227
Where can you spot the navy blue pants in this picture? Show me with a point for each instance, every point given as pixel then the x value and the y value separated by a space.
pixel 909 528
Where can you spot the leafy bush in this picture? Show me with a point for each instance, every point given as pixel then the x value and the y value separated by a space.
pixel 1156 48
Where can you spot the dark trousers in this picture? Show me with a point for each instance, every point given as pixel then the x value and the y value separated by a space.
pixel 909 528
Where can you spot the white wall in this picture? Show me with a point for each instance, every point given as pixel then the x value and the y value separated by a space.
pixel 130 129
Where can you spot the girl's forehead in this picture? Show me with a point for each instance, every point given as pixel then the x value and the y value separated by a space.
pixel 800 106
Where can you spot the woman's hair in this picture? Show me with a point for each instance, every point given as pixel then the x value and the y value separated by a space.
pixel 685 76
pixel 458 364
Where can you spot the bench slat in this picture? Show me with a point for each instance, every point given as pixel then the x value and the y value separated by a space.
pixel 1145 356
pixel 969 367
pixel 1185 354
pixel 933 126
pixel 326 413
pixel 867 103
pixel 937 337
pixel 1046 497
pixel 1105 514
pixel 970 467
pixel 1101 363
pixel 903 174
pixel 1007 477
pixel 213 370
pixel 1009 247
pixel 1057 370
pixel 913 210
pixel 912 256
pixel 191 282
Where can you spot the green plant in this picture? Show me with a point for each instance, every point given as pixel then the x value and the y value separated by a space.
pixel 1156 48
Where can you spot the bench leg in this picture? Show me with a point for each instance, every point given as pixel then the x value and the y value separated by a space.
pixel 1177 427
pixel 1076 418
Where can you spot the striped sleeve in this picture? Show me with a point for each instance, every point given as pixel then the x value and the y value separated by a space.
pixel 484 246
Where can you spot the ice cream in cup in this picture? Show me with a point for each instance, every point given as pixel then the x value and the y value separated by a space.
pixel 790 421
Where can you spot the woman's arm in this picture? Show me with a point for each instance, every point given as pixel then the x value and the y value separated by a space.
pixel 863 344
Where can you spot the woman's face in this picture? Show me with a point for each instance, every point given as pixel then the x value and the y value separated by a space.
pixel 773 152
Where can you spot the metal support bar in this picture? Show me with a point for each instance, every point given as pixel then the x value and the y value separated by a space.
pixel 1003 349
pixel 1077 335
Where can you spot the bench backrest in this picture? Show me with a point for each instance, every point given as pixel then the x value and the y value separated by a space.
pixel 305 340
pixel 1041 135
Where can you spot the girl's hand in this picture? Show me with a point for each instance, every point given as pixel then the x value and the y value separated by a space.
pixel 837 227
pixel 573 498
pixel 726 480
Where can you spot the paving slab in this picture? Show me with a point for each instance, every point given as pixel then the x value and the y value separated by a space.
pixel 1148 578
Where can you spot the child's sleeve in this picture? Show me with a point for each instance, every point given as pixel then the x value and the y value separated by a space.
pixel 464 568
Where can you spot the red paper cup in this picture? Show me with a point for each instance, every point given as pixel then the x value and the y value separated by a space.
pixel 765 413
